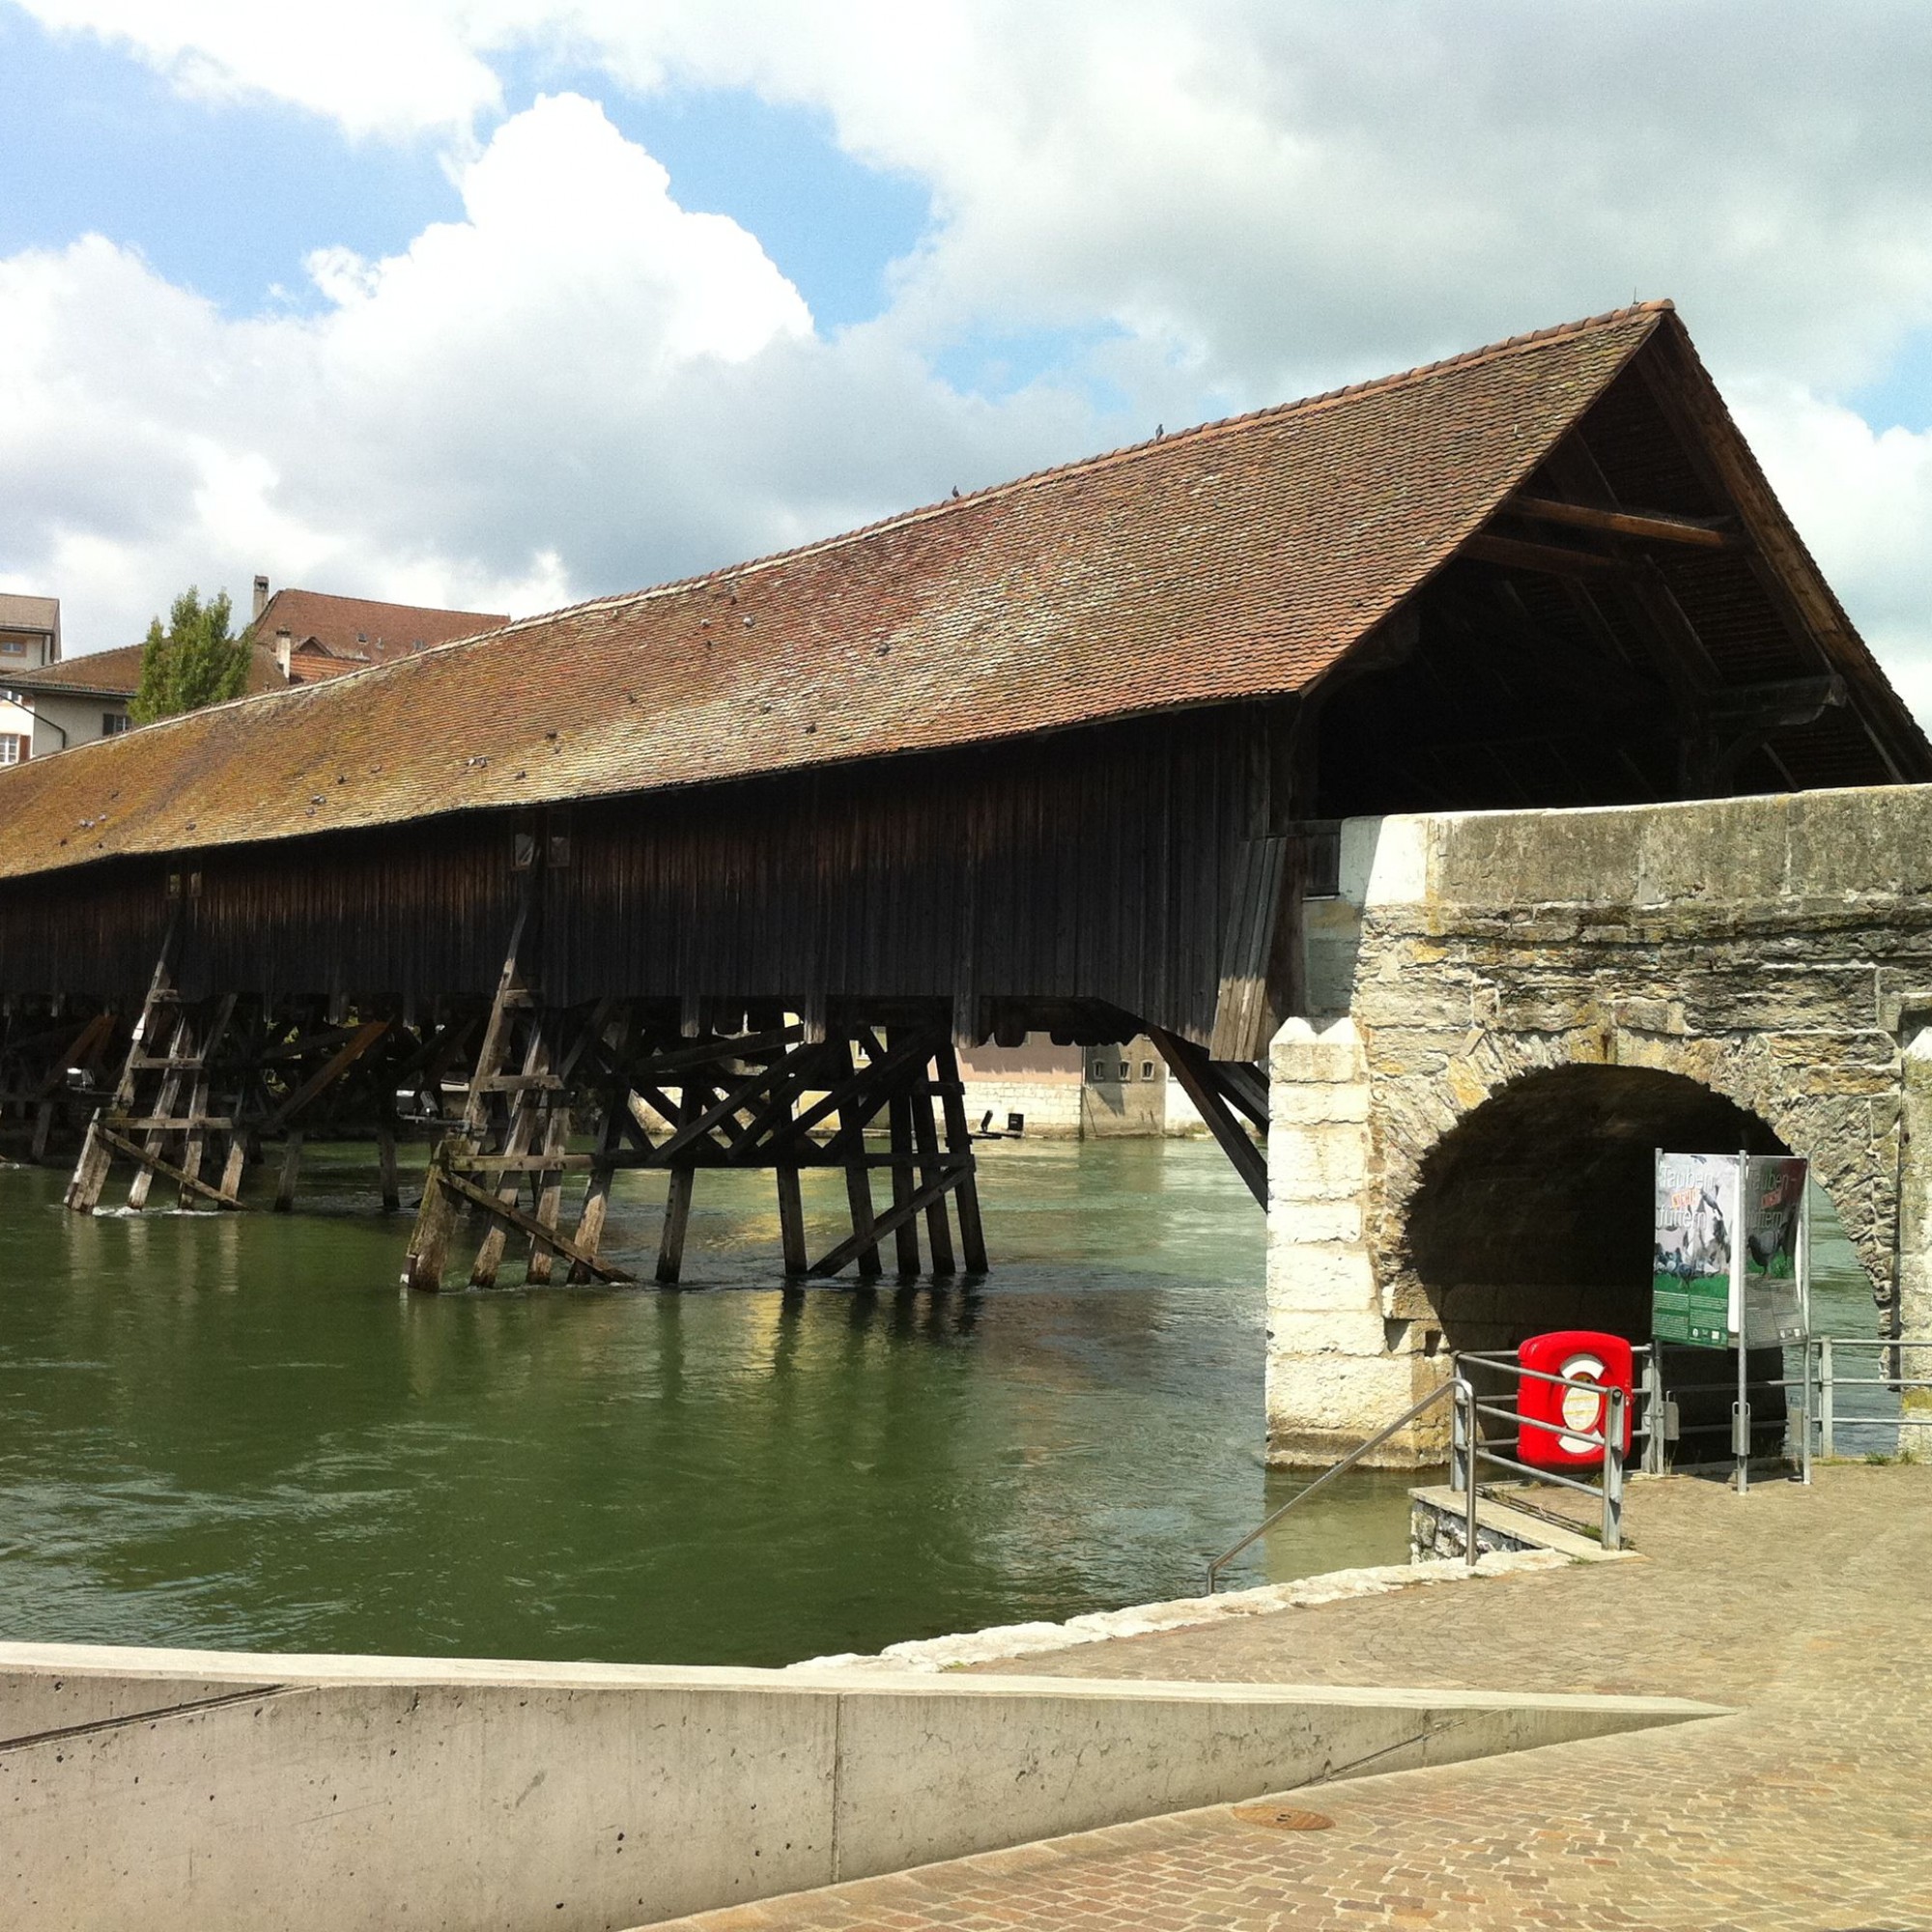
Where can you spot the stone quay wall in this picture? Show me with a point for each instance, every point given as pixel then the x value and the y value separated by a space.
pixel 1548 986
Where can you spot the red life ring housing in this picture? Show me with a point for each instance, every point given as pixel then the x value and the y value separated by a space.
pixel 1549 1415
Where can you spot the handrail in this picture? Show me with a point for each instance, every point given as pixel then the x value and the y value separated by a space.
pixel 1456 1388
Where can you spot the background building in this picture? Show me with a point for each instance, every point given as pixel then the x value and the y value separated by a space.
pixel 29 639
pixel 48 704
pixel 313 636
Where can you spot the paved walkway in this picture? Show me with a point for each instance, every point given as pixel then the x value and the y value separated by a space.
pixel 1811 1811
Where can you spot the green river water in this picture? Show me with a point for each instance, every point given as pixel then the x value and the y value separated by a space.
pixel 235 1432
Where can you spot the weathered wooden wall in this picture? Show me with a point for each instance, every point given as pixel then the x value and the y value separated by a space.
pixel 1099 866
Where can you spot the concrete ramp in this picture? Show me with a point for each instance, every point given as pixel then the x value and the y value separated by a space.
pixel 185 1791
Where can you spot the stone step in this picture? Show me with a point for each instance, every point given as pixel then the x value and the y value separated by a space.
pixel 1511 1528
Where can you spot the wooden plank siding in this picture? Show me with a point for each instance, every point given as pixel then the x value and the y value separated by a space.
pixel 1100 864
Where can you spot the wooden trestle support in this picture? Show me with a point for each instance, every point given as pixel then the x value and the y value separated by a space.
pixel 526 1104
pixel 47 1054
pixel 224 1075
pixel 653 1096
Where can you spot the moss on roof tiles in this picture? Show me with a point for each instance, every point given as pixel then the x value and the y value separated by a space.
pixel 1235 560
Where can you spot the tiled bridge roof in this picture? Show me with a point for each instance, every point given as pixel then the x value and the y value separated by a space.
pixel 1235 560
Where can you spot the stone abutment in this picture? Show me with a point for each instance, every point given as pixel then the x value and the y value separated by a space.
pixel 1520 1007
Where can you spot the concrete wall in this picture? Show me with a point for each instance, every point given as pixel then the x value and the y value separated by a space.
pixel 1774 952
pixel 1078 1093
pixel 189 1792
pixel 1049 1105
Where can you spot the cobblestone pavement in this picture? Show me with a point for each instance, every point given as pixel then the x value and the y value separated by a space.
pixel 1809 1811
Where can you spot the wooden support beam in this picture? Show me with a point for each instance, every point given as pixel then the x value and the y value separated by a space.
pixel 385 1166
pixel 1196 1072
pixel 677 1204
pixel 503 1009
pixel 720 1113
pixel 1778 705
pixel 791 1222
pixel 905 1236
pixel 291 1156
pixel 676 1223
pixel 1549 559
pixel 899 1215
pixel 92 1169
pixel 959 1143
pixel 83 1050
pixel 1246 1086
pixel 436 1219
pixel 179 1047
pixel 325 1039
pixel 750 1046
pixel 776 1118
pixel 324 1077
pixel 194 1143
pixel 187 1182
pixel 549 1196
pixel 528 1224
pixel 850 1138
pixel 525 1120
pixel 234 1166
pixel 1650 526
pixel 938 1232
pixel 591 1219
pixel 855 1095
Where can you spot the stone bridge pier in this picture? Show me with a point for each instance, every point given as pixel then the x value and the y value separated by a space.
pixel 1515 1009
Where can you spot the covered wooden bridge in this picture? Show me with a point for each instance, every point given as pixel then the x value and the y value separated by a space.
pixel 719 874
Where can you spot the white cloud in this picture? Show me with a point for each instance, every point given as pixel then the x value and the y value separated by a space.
pixel 1863 500
pixel 1282 188
pixel 1242 199
pixel 579 386
pixel 378 67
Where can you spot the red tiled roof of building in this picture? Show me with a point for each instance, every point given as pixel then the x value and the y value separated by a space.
pixel 361 631
pixel 1237 561
pixel 111 673
pixel 116 673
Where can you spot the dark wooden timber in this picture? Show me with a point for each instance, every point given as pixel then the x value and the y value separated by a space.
pixel 1213 1090
pixel 1651 525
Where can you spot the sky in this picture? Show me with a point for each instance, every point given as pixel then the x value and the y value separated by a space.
pixel 504 303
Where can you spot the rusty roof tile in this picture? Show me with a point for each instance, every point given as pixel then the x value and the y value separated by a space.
pixel 1234 560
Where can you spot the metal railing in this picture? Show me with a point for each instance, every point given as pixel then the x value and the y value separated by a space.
pixel 1460 1395
pixel 1821 1373
pixel 1609 1440
pixel 1652 1423
pixel 1817 1418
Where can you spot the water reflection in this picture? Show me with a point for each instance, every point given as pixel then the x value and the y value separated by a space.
pixel 235 1431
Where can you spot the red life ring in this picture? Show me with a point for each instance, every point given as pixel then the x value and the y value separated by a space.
pixel 1555 1419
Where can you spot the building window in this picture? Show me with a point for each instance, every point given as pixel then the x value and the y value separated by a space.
pixel 1146 1069
pixel 12 647
pixel 1124 1069
pixel 113 723
pixel 12 747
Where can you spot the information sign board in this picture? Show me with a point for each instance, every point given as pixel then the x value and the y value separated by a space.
pixel 1692 1294
pixel 1773 1259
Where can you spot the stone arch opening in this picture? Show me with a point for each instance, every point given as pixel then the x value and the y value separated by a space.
pixel 1534 1212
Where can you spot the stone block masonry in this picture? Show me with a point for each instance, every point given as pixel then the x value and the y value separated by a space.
pixel 1535 1001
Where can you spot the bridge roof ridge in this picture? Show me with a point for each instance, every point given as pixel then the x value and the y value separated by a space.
pixel 1105 459
pixel 1234 560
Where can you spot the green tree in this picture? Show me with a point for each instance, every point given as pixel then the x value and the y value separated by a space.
pixel 194 662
